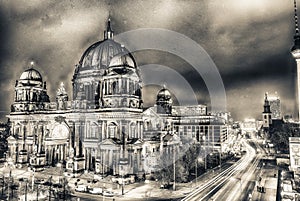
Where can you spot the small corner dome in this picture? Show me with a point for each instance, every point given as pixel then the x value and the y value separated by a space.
pixel 31 74
pixel 164 93
pixel 123 59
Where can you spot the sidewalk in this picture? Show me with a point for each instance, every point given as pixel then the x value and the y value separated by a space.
pixel 269 182
pixel 152 189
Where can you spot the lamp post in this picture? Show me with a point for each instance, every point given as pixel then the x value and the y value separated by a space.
pixel 3 185
pixel 9 183
pixel 32 182
pixel 25 180
pixel 122 183
pixel 50 184
pixel 220 159
pixel 205 157
pixel 103 197
pixel 37 192
pixel 196 171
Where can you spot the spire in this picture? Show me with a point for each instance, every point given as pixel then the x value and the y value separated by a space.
pixel 266 96
pixel 297 35
pixel 267 104
pixel 108 33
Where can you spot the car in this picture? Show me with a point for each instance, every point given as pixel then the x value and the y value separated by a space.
pixel 96 191
pixel 98 177
pixel 39 181
pixel 108 193
pixel 124 180
pixel 166 186
pixel 81 188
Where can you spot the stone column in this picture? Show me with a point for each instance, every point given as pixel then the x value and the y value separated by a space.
pixel 50 151
pixel 76 138
pixel 62 152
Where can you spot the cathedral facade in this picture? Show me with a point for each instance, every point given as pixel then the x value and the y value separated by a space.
pixel 104 127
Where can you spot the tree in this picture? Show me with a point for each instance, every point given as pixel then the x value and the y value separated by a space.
pixel 190 158
pixel 185 164
pixel 279 135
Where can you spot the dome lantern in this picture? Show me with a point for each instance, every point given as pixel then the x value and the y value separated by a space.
pixel 108 33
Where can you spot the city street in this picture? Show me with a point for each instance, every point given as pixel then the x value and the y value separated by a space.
pixel 231 183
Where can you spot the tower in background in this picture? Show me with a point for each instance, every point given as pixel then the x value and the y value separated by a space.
pixel 296 54
pixel 267 119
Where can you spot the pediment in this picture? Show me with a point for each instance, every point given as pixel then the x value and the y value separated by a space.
pixel 108 141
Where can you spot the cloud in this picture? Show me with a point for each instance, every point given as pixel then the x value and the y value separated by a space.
pixel 248 40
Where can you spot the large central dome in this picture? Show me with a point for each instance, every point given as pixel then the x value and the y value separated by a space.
pixel 105 60
pixel 99 55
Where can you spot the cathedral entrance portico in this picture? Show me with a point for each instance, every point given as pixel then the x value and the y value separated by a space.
pixel 56 153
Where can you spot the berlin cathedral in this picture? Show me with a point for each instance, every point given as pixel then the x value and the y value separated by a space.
pixel 104 128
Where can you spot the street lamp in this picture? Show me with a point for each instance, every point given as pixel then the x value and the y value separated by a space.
pixel 220 159
pixel 25 180
pixel 32 182
pixel 9 183
pixel 2 185
pixel 50 184
pixel 174 169
pixel 205 159
pixel 196 171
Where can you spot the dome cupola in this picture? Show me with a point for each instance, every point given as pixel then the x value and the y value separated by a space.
pixel 164 94
pixel 30 92
pixel 164 101
pixel 31 74
pixel 98 56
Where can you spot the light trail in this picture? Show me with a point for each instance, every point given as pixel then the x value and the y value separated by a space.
pixel 217 182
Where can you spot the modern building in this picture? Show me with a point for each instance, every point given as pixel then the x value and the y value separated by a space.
pixel 104 128
pixel 275 106
pixel 294 146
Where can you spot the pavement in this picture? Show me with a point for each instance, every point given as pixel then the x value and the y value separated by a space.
pixel 269 182
pixel 152 189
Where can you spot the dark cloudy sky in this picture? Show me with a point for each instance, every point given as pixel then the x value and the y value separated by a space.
pixel 249 41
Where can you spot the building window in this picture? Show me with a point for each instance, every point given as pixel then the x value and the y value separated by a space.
pixel 112 129
pixel 94 131
pixel 132 130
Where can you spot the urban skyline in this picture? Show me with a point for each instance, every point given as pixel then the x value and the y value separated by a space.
pixel 165 100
